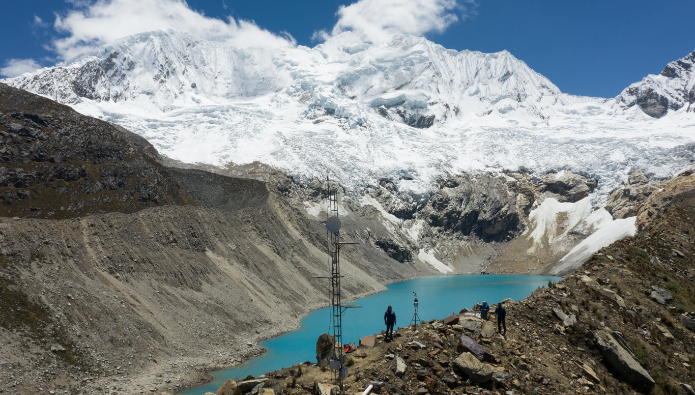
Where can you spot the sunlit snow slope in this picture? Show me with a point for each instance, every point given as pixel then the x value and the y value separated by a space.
pixel 406 109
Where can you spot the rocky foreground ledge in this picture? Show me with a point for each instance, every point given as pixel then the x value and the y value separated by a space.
pixel 621 324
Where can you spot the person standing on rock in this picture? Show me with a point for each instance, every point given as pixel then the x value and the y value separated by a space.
pixel 390 321
pixel 501 314
pixel 484 310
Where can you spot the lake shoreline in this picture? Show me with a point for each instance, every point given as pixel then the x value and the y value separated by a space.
pixel 208 370
pixel 201 375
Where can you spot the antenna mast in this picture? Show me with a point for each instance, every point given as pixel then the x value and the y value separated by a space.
pixel 333 225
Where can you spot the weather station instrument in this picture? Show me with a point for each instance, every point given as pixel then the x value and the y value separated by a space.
pixel 416 317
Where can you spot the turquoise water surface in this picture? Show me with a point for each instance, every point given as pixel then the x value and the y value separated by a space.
pixel 438 298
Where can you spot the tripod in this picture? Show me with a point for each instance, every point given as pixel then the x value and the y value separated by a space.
pixel 416 317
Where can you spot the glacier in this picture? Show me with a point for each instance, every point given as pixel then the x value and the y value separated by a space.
pixel 407 110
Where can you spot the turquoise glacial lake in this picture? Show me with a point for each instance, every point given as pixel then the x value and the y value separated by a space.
pixel 438 297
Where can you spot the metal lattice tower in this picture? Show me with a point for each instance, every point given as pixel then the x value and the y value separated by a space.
pixel 337 364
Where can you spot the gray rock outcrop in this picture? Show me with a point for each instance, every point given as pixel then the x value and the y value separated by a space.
pixel 567 321
pixel 477 371
pixel 621 358
pixel 482 207
pixel 661 295
pixel 626 201
pixel 688 319
pixel 565 186
pixel 400 367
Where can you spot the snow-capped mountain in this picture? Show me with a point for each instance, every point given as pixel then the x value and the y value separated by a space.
pixel 671 90
pixel 407 109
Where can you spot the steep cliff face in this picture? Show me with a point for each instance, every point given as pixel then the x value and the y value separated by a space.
pixel 671 90
pixel 626 201
pixel 56 163
pixel 482 207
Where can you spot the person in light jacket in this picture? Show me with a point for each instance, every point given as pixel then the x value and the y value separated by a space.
pixel 484 310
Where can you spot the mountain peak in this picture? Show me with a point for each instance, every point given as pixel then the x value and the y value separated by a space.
pixel 672 90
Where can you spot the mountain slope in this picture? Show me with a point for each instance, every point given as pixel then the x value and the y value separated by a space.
pixel 56 163
pixel 671 90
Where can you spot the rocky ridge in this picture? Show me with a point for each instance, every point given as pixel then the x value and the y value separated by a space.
pixel 671 90
pixel 56 163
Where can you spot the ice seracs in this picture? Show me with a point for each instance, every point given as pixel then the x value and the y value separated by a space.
pixel 407 110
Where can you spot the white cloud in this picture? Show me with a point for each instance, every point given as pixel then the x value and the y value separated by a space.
pixel 95 23
pixel 38 22
pixel 15 67
pixel 375 20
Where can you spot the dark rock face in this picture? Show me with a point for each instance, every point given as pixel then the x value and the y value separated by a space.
pixel 626 201
pixel 566 186
pixel 402 206
pixel 56 163
pixel 652 103
pixel 481 207
pixel 394 250
pixel 417 118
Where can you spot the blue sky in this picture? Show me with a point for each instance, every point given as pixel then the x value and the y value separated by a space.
pixel 588 47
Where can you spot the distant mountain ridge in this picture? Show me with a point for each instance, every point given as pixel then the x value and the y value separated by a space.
pixel 371 106
pixel 671 90
pixel 404 76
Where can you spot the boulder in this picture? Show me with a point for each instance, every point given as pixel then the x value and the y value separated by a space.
pixel 657 297
pixel 328 389
pixel 587 280
pixel 227 388
pixel 664 331
pixel 325 348
pixel 664 293
pixel 477 371
pixel 248 385
pixel 416 345
pixel 57 348
pixel 619 356
pixel 612 295
pixel 588 371
pixel 487 330
pixel 567 321
pixel 688 389
pixel 451 320
pixel 466 344
pixel 267 391
pixel 431 384
pixel 368 341
pixel 688 319
pixel 400 367
pixel 470 323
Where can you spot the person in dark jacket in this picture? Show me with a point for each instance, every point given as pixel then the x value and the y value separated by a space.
pixel 390 321
pixel 484 310
pixel 501 314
